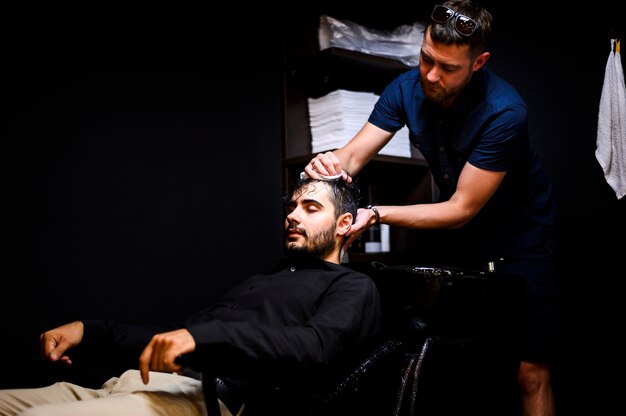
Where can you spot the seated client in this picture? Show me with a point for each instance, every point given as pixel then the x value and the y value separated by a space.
pixel 284 327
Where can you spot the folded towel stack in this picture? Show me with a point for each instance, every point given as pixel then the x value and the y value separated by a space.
pixel 338 116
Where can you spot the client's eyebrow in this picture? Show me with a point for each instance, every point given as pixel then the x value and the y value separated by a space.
pixel 311 201
pixel 308 201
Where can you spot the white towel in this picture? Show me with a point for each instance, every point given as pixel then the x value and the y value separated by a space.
pixel 339 115
pixel 611 139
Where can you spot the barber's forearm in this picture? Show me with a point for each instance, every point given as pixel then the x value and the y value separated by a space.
pixel 348 162
pixel 424 216
pixel 362 148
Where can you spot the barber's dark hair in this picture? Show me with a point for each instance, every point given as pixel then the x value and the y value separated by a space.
pixel 345 196
pixel 446 34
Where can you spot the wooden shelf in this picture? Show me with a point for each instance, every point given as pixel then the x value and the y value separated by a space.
pixel 358 60
pixel 335 68
pixel 304 159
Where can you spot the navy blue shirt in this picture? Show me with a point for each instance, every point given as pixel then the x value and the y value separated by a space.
pixel 487 127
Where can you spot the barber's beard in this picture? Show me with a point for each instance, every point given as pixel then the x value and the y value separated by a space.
pixel 441 94
pixel 318 245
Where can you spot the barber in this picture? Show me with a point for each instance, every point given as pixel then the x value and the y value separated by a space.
pixel 496 202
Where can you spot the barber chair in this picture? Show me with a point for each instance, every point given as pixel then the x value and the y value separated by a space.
pixel 461 330
pixel 367 384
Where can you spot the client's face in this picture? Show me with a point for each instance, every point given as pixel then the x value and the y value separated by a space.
pixel 310 225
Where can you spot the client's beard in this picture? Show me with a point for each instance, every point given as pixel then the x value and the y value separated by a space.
pixel 318 245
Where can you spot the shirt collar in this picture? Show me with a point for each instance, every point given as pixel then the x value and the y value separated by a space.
pixel 308 262
pixel 467 99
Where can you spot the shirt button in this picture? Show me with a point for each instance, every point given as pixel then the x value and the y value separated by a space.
pixel 293 269
pixel 446 176
pixel 233 306
pixel 441 148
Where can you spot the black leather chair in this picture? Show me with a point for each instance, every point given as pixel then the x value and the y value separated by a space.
pixel 369 387
pixel 462 332
pixel 366 385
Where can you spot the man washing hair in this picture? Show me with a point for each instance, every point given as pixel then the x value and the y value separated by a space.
pixel 495 201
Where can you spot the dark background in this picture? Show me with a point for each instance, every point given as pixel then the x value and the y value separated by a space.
pixel 142 167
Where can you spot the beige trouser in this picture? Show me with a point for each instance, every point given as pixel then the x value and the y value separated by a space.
pixel 165 395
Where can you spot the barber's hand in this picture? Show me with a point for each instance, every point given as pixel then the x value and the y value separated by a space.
pixel 364 218
pixel 326 164
pixel 56 341
pixel 162 351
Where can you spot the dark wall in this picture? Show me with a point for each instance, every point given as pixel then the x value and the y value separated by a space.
pixel 143 160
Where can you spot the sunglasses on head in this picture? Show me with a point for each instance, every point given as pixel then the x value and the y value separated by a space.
pixel 462 24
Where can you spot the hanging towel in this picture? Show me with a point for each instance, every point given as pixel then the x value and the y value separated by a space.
pixel 611 139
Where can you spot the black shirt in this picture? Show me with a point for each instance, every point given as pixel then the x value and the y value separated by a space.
pixel 306 314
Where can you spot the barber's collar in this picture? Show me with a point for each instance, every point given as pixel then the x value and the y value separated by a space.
pixel 472 91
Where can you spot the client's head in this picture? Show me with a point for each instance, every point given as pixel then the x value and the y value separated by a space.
pixel 319 215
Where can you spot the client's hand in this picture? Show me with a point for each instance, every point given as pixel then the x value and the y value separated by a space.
pixel 162 351
pixel 56 341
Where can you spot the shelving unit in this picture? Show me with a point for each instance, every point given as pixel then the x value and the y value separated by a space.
pixel 389 180
pixel 317 74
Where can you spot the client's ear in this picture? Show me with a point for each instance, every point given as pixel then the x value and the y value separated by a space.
pixel 344 222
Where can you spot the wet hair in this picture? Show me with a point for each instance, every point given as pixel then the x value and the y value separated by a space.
pixel 446 34
pixel 344 196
